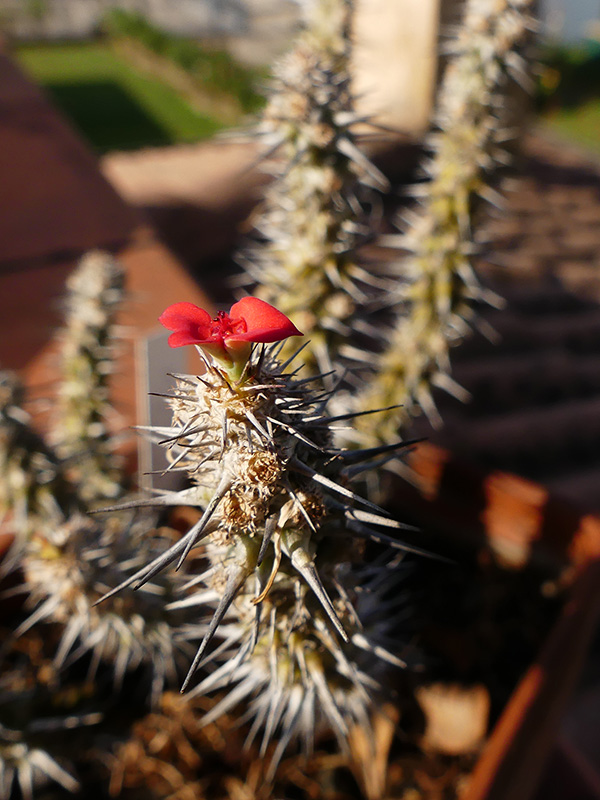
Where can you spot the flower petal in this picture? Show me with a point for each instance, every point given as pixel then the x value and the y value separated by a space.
pixel 264 322
pixel 181 338
pixel 191 324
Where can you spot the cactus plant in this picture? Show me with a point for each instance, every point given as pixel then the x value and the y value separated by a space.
pixel 28 766
pixel 33 489
pixel 81 430
pixel 439 284
pixel 281 528
pixel 294 675
pixel 312 219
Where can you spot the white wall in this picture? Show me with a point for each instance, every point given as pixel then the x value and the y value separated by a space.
pixel 396 60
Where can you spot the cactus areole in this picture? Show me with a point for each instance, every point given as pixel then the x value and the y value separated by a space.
pixel 229 336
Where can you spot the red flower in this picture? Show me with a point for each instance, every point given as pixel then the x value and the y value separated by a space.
pixel 227 336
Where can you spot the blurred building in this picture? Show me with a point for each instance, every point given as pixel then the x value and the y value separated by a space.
pixel 79 19
pixel 570 20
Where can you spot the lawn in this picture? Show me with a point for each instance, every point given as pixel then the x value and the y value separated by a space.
pixel 581 124
pixel 114 105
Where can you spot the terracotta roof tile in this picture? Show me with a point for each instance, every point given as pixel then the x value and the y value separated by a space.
pixel 54 201
pixel 56 207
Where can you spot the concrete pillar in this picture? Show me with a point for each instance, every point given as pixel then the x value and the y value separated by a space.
pixel 395 62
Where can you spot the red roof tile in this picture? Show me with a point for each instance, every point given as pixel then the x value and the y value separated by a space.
pixel 55 203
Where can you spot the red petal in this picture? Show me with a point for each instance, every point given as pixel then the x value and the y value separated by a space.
pixel 180 338
pixel 190 323
pixel 264 322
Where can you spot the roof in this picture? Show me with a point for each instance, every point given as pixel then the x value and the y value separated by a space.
pixel 56 207
pixel 55 203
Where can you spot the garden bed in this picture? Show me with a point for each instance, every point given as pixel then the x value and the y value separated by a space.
pixel 455 725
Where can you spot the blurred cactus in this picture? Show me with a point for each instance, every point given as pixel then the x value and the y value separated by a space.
pixel 312 219
pixel 440 286
pixel 42 483
pixel 81 433
pixel 295 675
pixel 34 493
pixel 67 571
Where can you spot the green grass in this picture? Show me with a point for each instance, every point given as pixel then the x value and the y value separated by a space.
pixel 581 125
pixel 213 69
pixel 114 105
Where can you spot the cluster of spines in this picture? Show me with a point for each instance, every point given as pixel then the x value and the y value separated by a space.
pixel 312 219
pixel 293 672
pixel 35 722
pixel 281 532
pixel 438 287
pixel 81 428
pixel 67 558
pixel 151 633
pixel 43 481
